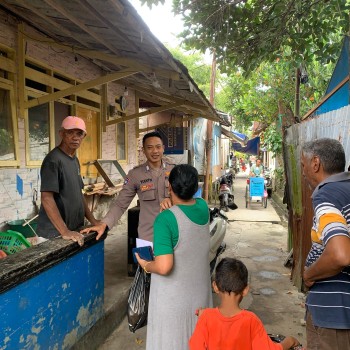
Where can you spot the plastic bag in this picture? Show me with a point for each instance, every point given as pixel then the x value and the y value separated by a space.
pixel 138 300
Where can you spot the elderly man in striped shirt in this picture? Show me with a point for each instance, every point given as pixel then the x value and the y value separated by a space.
pixel 327 271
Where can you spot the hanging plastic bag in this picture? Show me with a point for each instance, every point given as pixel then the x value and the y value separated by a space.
pixel 138 300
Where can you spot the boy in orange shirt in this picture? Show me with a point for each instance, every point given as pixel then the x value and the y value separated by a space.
pixel 228 327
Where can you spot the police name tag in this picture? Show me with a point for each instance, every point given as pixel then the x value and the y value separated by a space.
pixel 147 187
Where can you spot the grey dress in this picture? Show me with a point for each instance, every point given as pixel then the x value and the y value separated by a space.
pixel 174 298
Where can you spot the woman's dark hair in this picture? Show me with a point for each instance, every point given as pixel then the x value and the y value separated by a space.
pixel 231 276
pixel 151 134
pixel 184 181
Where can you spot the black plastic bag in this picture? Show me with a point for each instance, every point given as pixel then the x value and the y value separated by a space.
pixel 138 300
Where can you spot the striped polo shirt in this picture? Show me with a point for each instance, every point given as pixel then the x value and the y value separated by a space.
pixel 329 300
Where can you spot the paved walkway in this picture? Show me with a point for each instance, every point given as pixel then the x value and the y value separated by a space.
pixel 258 237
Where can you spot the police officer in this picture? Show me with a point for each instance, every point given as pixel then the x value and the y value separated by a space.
pixel 150 181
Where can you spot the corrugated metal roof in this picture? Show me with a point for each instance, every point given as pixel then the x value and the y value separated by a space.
pixel 114 36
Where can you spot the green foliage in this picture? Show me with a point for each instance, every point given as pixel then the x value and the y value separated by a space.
pixel 198 69
pixel 259 44
pixel 279 178
pixel 256 97
pixel 150 3
pixel 246 33
pixel 273 140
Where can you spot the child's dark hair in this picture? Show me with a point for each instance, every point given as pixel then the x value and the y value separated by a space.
pixel 231 276
pixel 151 134
pixel 183 179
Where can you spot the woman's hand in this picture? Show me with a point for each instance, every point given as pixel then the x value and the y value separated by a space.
pixel 161 265
pixel 165 204
pixel 141 261
pixel 99 228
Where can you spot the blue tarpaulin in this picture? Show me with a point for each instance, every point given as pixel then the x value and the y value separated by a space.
pixel 252 146
pixel 241 138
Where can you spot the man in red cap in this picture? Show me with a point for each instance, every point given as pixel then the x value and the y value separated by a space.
pixel 63 205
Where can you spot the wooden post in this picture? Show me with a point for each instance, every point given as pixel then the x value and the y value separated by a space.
pixel 209 141
pixel 20 70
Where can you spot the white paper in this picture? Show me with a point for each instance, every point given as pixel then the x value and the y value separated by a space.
pixel 143 243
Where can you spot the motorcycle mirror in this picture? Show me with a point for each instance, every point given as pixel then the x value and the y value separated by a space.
pixel 232 206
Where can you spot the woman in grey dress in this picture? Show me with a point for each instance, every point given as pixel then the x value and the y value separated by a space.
pixel 180 281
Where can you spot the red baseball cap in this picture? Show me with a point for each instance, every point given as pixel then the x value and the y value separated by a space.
pixel 72 122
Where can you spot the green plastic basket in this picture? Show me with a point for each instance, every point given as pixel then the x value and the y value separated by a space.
pixel 12 242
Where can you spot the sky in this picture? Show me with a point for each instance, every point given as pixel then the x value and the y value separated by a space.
pixel 162 22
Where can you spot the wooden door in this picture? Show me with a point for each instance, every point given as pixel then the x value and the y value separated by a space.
pixel 88 150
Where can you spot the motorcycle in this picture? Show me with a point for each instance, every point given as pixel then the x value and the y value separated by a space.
pixel 268 181
pixel 218 224
pixel 226 197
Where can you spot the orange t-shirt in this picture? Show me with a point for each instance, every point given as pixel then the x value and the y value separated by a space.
pixel 243 331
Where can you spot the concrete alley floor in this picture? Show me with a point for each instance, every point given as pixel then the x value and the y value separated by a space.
pixel 255 235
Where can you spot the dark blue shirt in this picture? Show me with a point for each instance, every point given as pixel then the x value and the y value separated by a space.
pixel 329 299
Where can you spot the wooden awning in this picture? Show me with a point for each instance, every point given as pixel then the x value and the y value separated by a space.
pixel 113 36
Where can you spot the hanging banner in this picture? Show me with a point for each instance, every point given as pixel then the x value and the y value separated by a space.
pixel 240 138
pixel 173 139
pixel 252 146
pixel 199 137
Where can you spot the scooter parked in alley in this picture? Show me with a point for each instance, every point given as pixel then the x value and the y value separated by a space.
pixel 268 181
pixel 226 197
pixel 218 225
